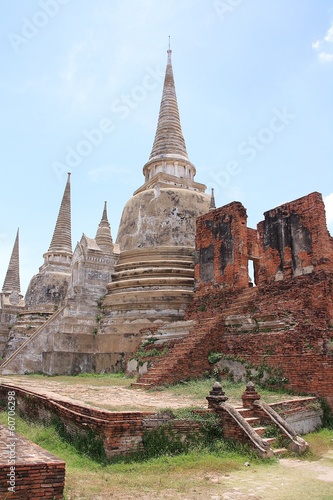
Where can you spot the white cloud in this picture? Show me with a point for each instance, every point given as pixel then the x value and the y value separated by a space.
pixel 329 35
pixel 328 200
pixel 325 46
pixel 316 45
pixel 325 57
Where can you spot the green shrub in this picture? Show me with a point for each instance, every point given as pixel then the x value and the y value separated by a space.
pixel 214 357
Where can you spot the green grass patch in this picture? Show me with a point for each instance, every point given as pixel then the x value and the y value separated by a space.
pixel 48 438
pixel 199 389
pixel 320 443
pixel 86 477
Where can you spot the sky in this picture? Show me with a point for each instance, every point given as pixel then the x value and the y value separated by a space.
pixel 80 89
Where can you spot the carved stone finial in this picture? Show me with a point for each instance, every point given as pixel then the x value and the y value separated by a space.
pixel 250 395
pixel 250 387
pixel 216 396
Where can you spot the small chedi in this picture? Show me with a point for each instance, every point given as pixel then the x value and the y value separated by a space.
pixel 179 270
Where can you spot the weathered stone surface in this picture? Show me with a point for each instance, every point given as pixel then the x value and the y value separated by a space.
pixel 47 292
pixel 161 217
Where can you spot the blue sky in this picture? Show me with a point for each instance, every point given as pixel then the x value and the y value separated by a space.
pixel 81 83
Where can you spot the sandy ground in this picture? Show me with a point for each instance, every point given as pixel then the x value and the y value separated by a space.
pixel 113 397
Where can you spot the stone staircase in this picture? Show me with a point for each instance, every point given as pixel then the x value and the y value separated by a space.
pixel 181 361
pixel 26 325
pixel 10 364
pixel 242 317
pixel 187 358
pixel 254 423
pixel 261 430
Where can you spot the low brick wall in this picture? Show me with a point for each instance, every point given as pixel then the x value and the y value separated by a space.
pixel 121 432
pixel 27 472
pixel 303 415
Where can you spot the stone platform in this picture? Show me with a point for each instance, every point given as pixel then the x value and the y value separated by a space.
pixel 27 471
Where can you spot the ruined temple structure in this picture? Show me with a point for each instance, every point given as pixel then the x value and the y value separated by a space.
pixel 84 309
pixel 178 274
pixel 281 329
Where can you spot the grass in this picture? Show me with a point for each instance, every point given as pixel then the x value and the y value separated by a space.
pixel 199 389
pixel 86 478
pixel 320 443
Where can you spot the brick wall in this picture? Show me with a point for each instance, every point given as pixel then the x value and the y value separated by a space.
pixel 121 432
pixel 303 349
pixel 293 254
pixel 221 254
pixel 35 475
pixel 294 240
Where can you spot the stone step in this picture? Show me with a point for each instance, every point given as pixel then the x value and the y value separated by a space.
pixel 245 412
pixel 150 281
pixel 269 440
pixel 140 385
pixel 280 451
pixel 260 430
pixel 252 420
pixel 127 266
pixel 145 272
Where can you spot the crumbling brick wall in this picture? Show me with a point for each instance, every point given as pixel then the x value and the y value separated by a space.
pixel 293 254
pixel 294 240
pixel 221 248
pixel 121 432
pixel 302 351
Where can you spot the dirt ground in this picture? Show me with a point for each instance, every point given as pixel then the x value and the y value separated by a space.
pixel 112 397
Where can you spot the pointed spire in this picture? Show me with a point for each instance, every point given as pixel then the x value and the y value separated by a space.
pixel 168 163
pixel 62 239
pixel 12 279
pixel 212 205
pixel 169 138
pixel 103 235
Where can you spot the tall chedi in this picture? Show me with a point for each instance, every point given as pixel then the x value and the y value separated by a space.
pixel 153 280
pixel 48 289
pixel 162 212
pixel 11 300
pixel 11 290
